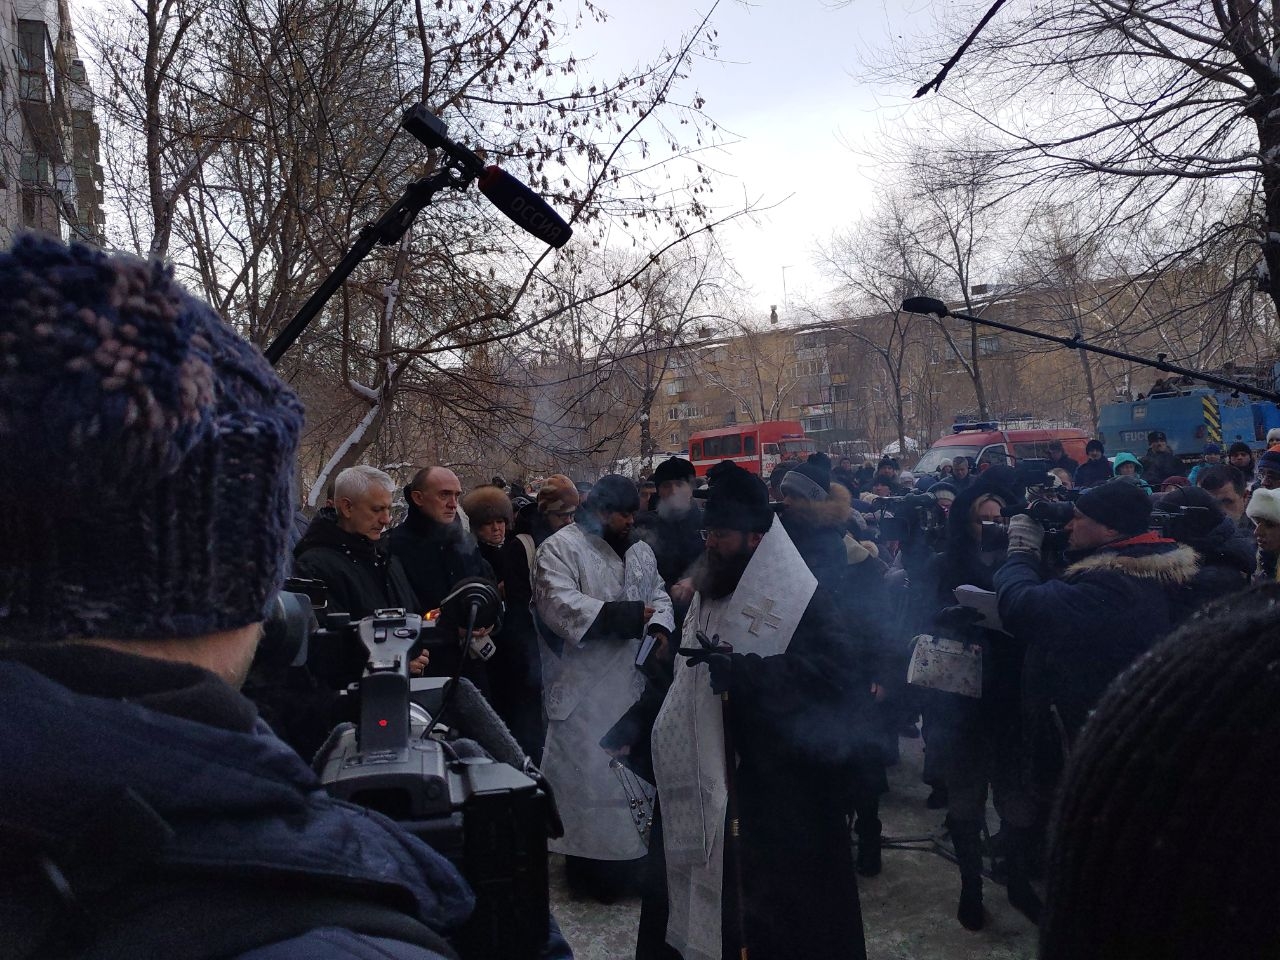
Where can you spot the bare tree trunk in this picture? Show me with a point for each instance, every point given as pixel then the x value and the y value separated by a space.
pixel 975 374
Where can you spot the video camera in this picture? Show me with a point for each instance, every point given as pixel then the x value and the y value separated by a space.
pixel 479 801
pixel 912 516
pixel 1053 515
pixel 1177 523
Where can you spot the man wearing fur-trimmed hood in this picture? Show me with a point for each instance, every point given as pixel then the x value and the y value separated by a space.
pixel 1112 603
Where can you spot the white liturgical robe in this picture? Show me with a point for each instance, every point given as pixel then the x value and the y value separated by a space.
pixel 590 683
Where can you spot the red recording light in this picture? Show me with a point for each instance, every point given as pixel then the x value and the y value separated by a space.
pixel 382 723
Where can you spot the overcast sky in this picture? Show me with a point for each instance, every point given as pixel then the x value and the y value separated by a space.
pixel 787 86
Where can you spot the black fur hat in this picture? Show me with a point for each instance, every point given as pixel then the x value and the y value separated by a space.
pixel 738 501
pixel 614 493
pixel 673 468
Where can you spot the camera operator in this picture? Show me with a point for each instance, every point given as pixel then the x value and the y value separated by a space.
pixel 145 811
pixel 1111 604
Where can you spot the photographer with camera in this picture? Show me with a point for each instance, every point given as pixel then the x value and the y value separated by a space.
pixel 145 810
pixel 1111 603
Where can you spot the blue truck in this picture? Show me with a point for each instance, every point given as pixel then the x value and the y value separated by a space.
pixel 1190 416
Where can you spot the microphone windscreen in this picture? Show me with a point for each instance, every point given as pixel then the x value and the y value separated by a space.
pixel 477 720
pixel 524 207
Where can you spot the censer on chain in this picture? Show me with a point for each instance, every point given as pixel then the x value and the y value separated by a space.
pixel 639 800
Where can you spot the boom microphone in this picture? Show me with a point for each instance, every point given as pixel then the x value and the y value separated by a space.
pixel 524 207
pixel 520 204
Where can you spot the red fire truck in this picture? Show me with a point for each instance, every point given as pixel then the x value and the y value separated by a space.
pixel 757 447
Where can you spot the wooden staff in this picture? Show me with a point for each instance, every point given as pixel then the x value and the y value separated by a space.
pixel 734 838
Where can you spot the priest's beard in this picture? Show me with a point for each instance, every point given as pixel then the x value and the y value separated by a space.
pixel 717 576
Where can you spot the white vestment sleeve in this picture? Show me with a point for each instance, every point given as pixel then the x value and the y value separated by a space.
pixel 563 607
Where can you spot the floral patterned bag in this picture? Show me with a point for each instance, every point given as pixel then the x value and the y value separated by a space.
pixel 948 665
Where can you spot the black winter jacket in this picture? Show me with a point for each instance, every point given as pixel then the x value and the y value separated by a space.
pixel 361 577
pixel 1091 473
pixel 435 557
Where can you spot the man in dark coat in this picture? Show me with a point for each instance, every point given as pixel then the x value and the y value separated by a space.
pixel 1228 558
pixel 1058 459
pixel 1095 469
pixel 673 529
pixel 437 552
pixel 1111 604
pixel 145 810
pixel 1160 462
pixel 816 516
pixel 345 548
pixel 792 684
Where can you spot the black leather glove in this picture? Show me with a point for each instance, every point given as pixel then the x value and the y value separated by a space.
pixel 718 659
pixel 956 619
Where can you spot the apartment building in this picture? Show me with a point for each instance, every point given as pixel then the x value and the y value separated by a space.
pixel 51 177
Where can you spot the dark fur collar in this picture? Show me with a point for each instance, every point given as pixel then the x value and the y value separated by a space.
pixel 832 512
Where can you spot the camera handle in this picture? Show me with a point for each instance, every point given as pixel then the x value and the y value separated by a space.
pixel 387 230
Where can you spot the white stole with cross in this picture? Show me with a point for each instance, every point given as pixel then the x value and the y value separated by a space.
pixel 759 617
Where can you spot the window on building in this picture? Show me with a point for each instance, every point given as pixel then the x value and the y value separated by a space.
pixel 988 344
pixel 675 386
pixel 817 424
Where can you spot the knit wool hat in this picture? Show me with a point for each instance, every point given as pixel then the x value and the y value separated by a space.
pixel 1264 504
pixel 1270 460
pixel 148 454
pixel 1239 447
pixel 487 504
pixel 808 480
pixel 1212 448
pixel 739 500
pixel 673 468
pixel 1155 436
pixel 558 494
pixel 1121 506
pixel 1094 444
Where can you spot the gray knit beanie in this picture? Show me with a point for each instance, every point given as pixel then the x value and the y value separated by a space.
pixel 148 454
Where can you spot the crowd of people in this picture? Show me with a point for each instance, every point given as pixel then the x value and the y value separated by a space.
pixel 711 672
pixel 799 601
